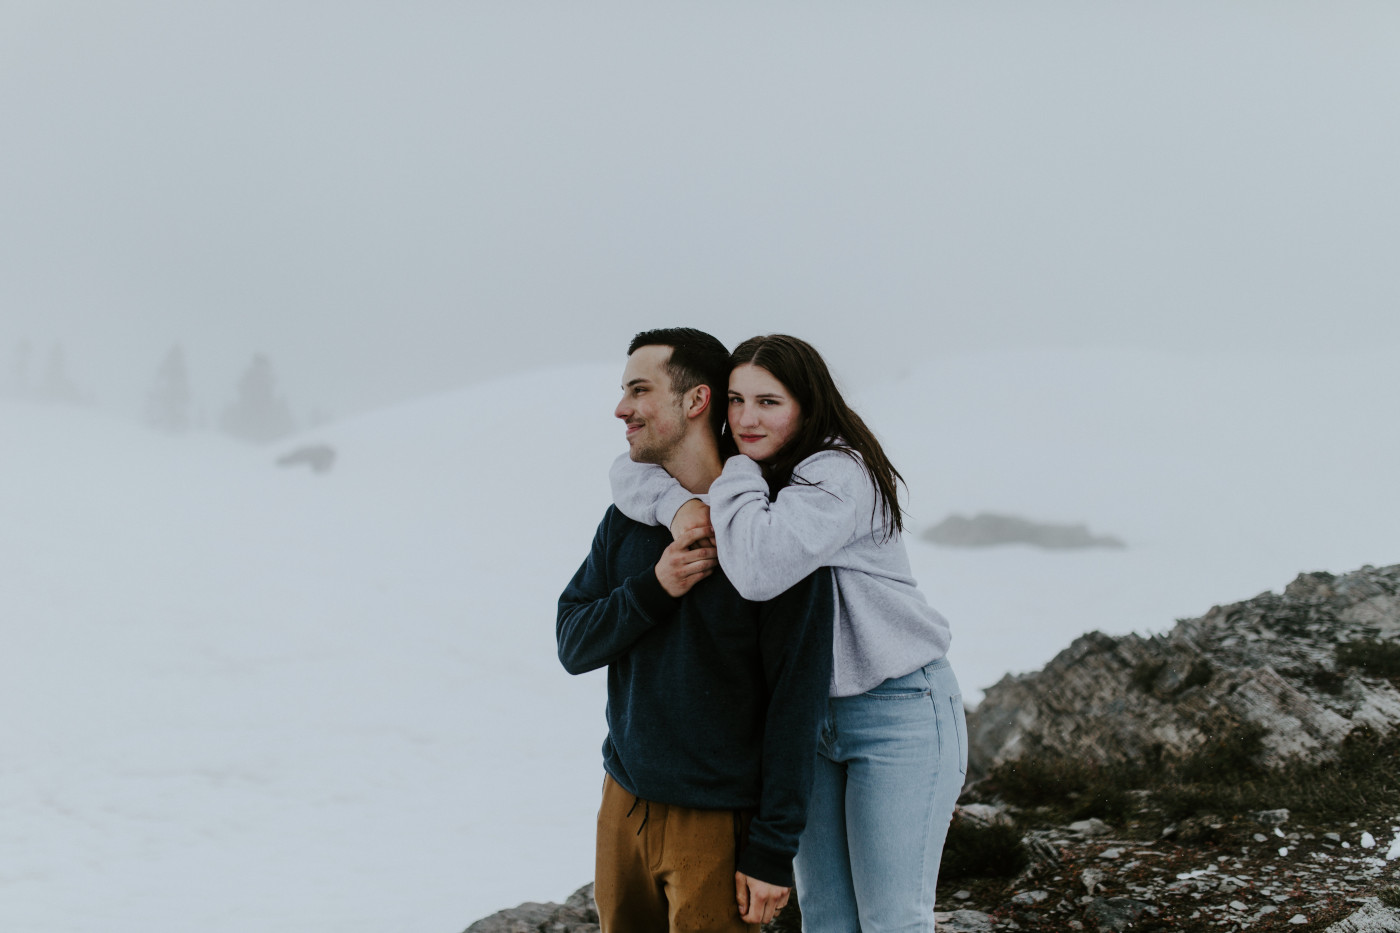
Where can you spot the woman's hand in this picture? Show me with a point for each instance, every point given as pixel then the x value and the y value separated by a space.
pixel 759 901
pixel 694 514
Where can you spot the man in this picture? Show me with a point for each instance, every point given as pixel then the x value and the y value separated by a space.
pixel 714 702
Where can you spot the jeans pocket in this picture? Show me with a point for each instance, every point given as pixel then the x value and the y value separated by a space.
pixel 955 704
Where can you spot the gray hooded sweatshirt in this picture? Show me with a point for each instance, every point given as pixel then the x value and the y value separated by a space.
pixel 830 518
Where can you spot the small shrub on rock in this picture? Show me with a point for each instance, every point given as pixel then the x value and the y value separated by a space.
pixel 1232 755
pixel 1376 658
pixel 1070 787
pixel 978 850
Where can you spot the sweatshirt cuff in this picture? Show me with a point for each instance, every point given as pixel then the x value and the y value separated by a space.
pixel 671 501
pixel 740 465
pixel 766 864
pixel 651 597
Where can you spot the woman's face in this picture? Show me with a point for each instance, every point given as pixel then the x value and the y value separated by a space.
pixel 763 415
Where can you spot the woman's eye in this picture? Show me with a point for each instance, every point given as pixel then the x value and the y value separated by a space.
pixel 735 400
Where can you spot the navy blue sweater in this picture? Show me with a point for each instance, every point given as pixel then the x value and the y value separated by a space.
pixel 714 702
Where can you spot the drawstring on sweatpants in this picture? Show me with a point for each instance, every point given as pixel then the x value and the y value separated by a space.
pixel 646 813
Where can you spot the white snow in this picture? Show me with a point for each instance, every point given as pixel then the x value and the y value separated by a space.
pixel 239 697
pixel 1368 841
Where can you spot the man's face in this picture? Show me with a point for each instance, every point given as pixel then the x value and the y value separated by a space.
pixel 654 415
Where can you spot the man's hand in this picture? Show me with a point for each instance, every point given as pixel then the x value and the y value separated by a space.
pixel 694 514
pixel 684 563
pixel 759 901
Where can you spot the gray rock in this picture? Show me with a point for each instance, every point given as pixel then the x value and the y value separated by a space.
pixel 968 921
pixel 1091 827
pixel 987 529
pixel 1265 663
pixel 1092 879
pixel 1374 917
pixel 578 914
pixel 319 457
pixel 1115 914
pixel 982 814
pixel 527 918
pixel 1270 817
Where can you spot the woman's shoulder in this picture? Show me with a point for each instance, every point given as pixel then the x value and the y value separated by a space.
pixel 837 464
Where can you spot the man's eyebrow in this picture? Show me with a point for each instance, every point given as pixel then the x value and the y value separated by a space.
pixel 638 381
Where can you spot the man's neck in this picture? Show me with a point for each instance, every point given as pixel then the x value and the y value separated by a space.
pixel 696 464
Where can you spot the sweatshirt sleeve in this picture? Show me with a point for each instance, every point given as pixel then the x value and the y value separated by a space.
pixel 646 493
pixel 767 546
pixel 598 622
pixel 796 650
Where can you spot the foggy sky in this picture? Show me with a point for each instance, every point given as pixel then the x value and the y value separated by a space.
pixel 392 199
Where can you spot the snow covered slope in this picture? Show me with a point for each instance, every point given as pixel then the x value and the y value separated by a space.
pixel 239 697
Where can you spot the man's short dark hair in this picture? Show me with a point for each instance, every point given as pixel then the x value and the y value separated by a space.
pixel 696 359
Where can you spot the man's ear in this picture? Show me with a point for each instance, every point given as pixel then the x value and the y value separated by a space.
pixel 697 401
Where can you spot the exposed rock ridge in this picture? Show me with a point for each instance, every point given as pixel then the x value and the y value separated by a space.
pixel 1269 662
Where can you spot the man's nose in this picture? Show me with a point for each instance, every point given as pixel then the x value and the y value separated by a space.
pixel 623 410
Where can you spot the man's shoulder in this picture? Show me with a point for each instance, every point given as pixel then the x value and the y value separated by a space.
pixel 617 531
pixel 616 524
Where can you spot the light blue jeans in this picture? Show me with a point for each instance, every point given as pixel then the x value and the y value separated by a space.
pixel 890 766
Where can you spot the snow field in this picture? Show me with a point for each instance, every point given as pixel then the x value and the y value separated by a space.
pixel 241 697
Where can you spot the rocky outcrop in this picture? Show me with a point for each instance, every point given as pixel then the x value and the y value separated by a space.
pixel 318 457
pixel 1373 918
pixel 987 529
pixel 1298 671
pixel 1265 871
pixel 1302 669
pixel 579 914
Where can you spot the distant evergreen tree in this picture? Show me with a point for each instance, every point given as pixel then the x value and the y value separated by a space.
pixel 168 403
pixel 258 414
pixel 56 386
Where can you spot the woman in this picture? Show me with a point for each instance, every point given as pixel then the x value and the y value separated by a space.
pixel 811 487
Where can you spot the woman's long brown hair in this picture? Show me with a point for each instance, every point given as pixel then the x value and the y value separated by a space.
pixel 825 422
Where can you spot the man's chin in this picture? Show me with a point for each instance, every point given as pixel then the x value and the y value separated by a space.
pixel 640 454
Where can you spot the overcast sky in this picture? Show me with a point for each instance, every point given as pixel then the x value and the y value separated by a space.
pixel 395 198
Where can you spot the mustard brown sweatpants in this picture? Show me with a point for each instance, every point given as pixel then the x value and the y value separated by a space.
pixel 666 869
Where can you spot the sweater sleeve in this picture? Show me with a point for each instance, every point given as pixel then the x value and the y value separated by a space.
pixel 767 546
pixel 646 493
pixel 598 622
pixel 795 644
